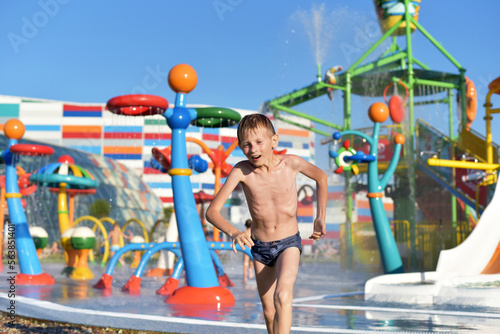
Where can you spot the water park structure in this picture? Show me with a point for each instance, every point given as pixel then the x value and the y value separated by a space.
pixel 415 86
pixel 417 152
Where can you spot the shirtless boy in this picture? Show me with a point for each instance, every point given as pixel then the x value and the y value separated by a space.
pixel 115 235
pixel 269 184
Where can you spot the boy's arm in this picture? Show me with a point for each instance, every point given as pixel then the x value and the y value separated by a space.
pixel 321 179
pixel 129 236
pixel 214 216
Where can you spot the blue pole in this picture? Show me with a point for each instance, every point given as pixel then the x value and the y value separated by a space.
pixel 200 271
pixel 26 252
pixel 389 253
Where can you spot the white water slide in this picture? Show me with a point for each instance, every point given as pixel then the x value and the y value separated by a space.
pixel 480 252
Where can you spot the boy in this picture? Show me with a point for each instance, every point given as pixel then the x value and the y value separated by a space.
pixel 115 235
pixel 269 184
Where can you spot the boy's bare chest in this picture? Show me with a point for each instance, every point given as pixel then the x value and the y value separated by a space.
pixel 271 184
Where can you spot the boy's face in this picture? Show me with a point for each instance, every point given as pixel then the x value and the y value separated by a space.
pixel 257 145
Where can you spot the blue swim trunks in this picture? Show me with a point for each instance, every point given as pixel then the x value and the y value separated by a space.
pixel 115 248
pixel 268 252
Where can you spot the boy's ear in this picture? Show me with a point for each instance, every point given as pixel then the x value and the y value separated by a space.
pixel 275 139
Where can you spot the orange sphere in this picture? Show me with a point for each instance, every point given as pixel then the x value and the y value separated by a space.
pixel 399 139
pixel 14 129
pixel 182 78
pixel 378 112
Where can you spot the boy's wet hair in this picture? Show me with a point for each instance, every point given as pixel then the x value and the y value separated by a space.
pixel 248 223
pixel 252 122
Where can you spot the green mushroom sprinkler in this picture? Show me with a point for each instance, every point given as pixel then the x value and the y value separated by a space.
pixel 82 240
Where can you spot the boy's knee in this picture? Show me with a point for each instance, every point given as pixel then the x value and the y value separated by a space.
pixel 283 297
pixel 268 311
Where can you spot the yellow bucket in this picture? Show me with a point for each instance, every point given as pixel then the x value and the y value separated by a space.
pixel 389 12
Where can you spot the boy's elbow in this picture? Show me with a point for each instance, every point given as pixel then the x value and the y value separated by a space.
pixel 209 214
pixel 322 179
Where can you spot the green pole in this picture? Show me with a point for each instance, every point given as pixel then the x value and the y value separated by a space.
pixel 433 41
pixel 347 102
pixel 419 63
pixel 463 100
pixel 379 63
pixel 452 137
pixel 306 116
pixel 411 159
pixel 374 46
pixel 434 83
pixel 326 134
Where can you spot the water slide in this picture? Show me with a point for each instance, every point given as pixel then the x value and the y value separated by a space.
pixel 480 252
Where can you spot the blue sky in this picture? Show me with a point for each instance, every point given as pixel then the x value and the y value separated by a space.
pixel 245 52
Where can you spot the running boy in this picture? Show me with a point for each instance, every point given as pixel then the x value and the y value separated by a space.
pixel 269 184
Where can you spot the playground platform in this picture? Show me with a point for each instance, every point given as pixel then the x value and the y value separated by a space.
pixel 327 299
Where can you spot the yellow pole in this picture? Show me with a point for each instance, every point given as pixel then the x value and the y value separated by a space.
pixel 462 164
pixel 62 208
pixel 489 137
pixel 71 209
pixel 488 118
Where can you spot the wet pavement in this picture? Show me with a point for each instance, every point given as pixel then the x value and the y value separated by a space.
pixel 327 299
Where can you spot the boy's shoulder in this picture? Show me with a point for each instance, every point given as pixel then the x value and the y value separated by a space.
pixel 291 158
pixel 243 164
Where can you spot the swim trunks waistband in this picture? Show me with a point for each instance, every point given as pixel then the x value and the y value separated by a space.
pixel 266 243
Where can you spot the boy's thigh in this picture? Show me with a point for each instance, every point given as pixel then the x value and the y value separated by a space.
pixel 265 277
pixel 287 266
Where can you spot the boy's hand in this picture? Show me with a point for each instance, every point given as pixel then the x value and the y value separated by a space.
pixel 319 229
pixel 242 239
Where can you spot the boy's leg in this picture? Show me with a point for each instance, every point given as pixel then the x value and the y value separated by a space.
pixel 287 267
pixel 250 269
pixel 266 285
pixel 246 261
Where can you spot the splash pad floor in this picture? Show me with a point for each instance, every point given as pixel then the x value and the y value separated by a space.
pixel 326 300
